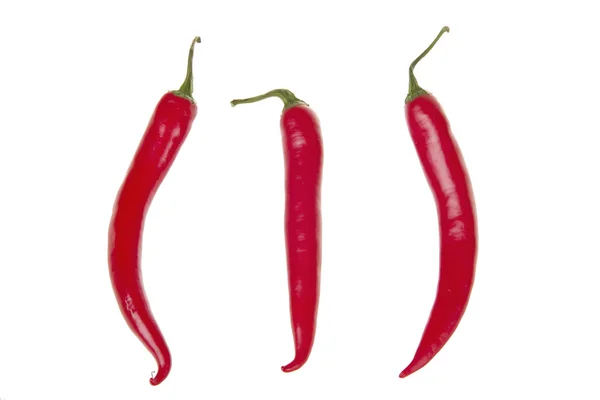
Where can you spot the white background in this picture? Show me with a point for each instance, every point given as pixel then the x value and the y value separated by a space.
pixel 519 82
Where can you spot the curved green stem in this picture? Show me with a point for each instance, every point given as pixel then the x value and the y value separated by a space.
pixel 288 98
pixel 414 90
pixel 187 87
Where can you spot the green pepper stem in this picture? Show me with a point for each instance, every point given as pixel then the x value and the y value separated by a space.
pixel 187 88
pixel 414 90
pixel 288 98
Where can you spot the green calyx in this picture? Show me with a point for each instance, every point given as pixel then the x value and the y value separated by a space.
pixel 414 90
pixel 187 87
pixel 288 98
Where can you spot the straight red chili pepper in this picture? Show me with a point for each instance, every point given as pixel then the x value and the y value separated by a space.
pixel 303 160
pixel 449 181
pixel 164 136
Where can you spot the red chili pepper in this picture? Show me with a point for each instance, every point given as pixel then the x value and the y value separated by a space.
pixel 449 181
pixel 303 158
pixel 166 132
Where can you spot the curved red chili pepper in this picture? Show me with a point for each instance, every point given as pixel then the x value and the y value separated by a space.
pixel 166 132
pixel 449 181
pixel 303 157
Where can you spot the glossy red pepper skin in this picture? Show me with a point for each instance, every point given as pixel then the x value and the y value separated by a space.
pixel 447 175
pixel 303 161
pixel 166 132
pixel 303 155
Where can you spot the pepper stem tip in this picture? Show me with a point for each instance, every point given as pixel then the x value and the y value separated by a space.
pixel 288 98
pixel 187 87
pixel 414 90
